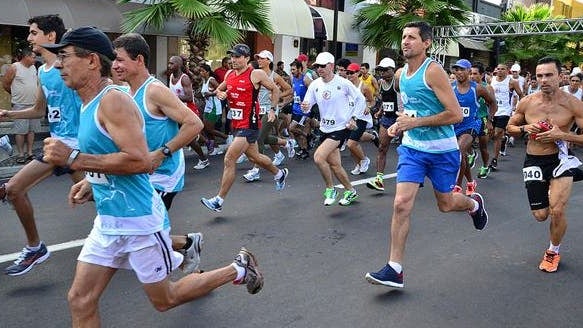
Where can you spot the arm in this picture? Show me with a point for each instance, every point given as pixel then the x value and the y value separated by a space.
pixel 8 78
pixel 369 98
pixel 37 111
pixel 285 88
pixel 516 124
pixel 489 99
pixel 375 85
pixel 187 86
pixel 259 78
pixel 514 85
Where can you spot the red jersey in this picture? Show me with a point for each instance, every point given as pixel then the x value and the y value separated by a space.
pixel 242 97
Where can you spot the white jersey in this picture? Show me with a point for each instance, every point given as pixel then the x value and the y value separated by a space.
pixel 333 100
pixel 502 94
pixel 578 94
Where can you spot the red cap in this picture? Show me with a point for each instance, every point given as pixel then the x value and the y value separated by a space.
pixel 354 67
pixel 302 58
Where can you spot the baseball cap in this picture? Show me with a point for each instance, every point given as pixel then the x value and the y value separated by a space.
pixel 265 54
pixel 387 63
pixel 302 58
pixel 88 38
pixel 324 58
pixel 354 67
pixel 463 63
pixel 576 70
pixel 240 50
pixel 515 68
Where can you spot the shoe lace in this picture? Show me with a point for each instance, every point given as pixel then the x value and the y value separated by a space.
pixel 549 257
pixel 24 254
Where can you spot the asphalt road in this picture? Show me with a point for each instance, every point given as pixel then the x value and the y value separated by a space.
pixel 314 258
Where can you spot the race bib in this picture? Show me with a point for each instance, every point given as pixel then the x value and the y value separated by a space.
pixel 54 114
pixel 96 178
pixel 297 100
pixel 236 113
pixel 410 112
pixel 328 121
pixel 263 109
pixel 532 173
pixel 388 106
pixel 466 111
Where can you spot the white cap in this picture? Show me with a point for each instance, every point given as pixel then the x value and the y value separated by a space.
pixel 386 63
pixel 324 58
pixel 576 70
pixel 515 68
pixel 265 54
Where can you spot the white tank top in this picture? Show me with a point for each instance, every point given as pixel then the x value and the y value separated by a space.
pixel 24 85
pixel 502 93
pixel 177 87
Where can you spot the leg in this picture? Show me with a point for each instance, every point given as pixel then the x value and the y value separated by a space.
pixel 30 142
pixel 19 138
pixel 560 191
pixel 403 205
pixel 263 161
pixel 385 140
pixel 334 161
pixel 238 146
pixel 327 147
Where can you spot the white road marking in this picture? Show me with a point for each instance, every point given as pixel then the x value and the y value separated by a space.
pixel 52 248
pixel 363 181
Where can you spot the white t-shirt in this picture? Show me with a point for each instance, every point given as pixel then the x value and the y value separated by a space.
pixel 577 94
pixel 502 94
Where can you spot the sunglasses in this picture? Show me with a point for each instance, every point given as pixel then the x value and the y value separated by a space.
pixel 350 72
pixel 575 80
pixel 319 66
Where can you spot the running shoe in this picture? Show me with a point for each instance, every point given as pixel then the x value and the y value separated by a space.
pixel 355 170
pixel 210 147
pixel 330 196
pixel 242 158
pixel 202 164
pixel 480 217
pixel 6 146
pixel 348 197
pixel 216 151
pixel 457 189
pixel 387 276
pixel 472 158
pixel 471 187
pixel 253 278
pixel 212 204
pixel 364 164
pixel 376 140
pixel 278 159
pixel 376 183
pixel 550 262
pixel 510 141
pixel 252 175
pixel 280 183
pixel 289 145
pixel 503 145
pixel 27 259
pixel 192 254
pixel 493 165
pixel 484 172
pixel 303 154
pixel 343 147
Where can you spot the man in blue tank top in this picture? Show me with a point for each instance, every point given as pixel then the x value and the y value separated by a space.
pixel 63 115
pixel 429 147
pixel 131 229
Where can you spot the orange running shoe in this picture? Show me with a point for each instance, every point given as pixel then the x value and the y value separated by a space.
pixel 471 187
pixel 457 189
pixel 550 262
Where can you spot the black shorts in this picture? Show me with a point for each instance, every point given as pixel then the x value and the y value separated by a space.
pixel 58 170
pixel 340 135
pixel 387 121
pixel 360 128
pixel 537 173
pixel 501 121
pixel 167 198
pixel 250 134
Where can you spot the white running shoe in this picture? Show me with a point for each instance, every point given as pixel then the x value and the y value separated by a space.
pixel 364 164
pixel 191 260
pixel 252 175
pixel 242 158
pixel 356 170
pixel 289 145
pixel 278 159
pixel 216 151
pixel 202 164
pixel 229 140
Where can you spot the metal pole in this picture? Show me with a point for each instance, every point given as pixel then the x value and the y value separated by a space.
pixel 335 31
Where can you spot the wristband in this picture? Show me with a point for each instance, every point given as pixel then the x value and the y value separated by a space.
pixel 73 156
pixel 522 128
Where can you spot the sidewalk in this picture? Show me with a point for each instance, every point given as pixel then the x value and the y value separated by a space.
pixel 8 165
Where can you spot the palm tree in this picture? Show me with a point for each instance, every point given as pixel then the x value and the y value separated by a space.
pixel 381 21
pixel 219 20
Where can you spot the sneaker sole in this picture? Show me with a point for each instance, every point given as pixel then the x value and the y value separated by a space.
pixel 250 180
pixel 38 261
pixel 256 269
pixel 374 281
pixel 209 207
pixel 485 212
pixel 374 187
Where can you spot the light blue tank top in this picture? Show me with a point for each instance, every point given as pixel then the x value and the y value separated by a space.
pixel 63 106
pixel 169 176
pixel 126 204
pixel 469 104
pixel 420 101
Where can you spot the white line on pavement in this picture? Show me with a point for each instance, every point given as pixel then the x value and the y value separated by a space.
pixel 52 248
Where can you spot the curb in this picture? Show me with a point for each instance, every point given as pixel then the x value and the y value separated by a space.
pixel 9 171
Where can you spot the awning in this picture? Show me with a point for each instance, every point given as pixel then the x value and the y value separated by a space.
pixel 104 14
pixel 473 44
pixel 345 32
pixel 291 17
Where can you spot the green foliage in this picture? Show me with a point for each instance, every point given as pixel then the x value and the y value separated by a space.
pixel 381 23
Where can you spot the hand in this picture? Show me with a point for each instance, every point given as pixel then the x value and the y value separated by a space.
pixel 80 193
pixel 56 152
pixel 305 106
pixel 156 157
pixel 393 130
pixel 351 125
pixel 222 95
pixel 271 116
pixel 551 135
pixel 405 122
pixel 3 115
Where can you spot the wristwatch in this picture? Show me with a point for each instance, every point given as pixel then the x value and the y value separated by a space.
pixel 166 151
pixel 522 128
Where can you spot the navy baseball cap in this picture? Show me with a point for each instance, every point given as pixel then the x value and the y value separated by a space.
pixel 88 38
pixel 463 63
pixel 240 50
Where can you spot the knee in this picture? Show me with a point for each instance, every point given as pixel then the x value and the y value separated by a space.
pixel 557 212
pixel 319 159
pixel 541 215
pixel 162 306
pixel 13 190
pixel 81 305
pixel 402 205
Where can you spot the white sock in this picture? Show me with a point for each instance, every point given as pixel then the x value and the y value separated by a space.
pixel 476 206
pixel 278 175
pixel 240 272
pixel 554 248
pixel 396 266
pixel 35 248
pixel 220 199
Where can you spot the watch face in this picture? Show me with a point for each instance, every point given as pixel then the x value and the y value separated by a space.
pixel 166 151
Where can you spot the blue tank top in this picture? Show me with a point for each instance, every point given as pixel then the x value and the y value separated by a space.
pixel 126 204
pixel 299 93
pixel 420 101
pixel 63 106
pixel 469 104
pixel 169 176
